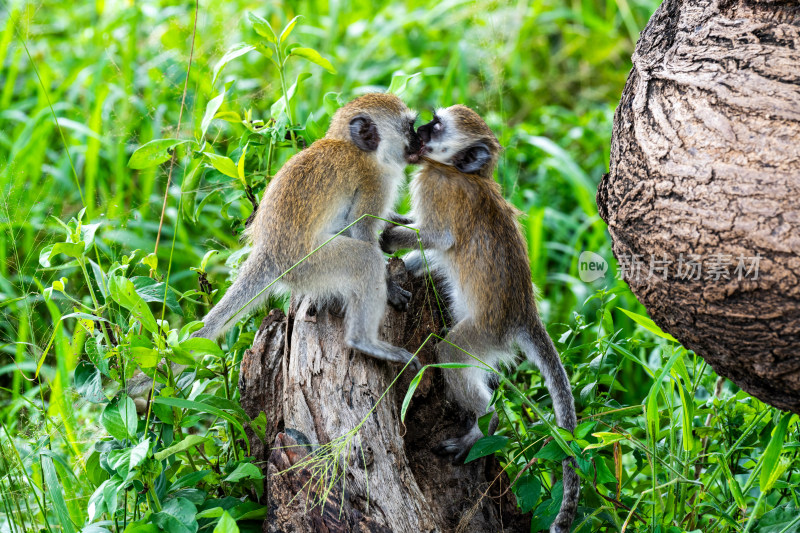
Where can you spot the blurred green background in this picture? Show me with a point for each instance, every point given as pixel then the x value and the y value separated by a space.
pixel 545 74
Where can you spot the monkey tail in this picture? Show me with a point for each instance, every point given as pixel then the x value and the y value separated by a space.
pixel 255 274
pixel 539 349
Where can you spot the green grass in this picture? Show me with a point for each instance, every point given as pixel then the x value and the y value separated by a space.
pixel 663 445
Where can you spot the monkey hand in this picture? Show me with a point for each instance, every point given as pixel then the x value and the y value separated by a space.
pixel 398 297
pixel 397 238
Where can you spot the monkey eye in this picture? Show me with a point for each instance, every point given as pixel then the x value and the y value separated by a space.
pixel 437 127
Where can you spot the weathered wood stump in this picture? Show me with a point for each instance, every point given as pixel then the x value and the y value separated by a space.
pixel 312 387
pixel 705 170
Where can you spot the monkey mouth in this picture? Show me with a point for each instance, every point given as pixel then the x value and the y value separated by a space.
pixel 415 157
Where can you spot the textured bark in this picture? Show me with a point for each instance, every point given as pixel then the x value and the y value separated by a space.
pixel 705 160
pixel 312 387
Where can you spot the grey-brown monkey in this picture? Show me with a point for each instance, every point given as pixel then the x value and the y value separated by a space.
pixel 471 237
pixel 355 170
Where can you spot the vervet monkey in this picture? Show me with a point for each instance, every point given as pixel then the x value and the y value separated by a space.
pixel 355 170
pixel 470 235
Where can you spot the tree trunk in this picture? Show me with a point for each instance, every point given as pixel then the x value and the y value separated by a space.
pixel 705 166
pixel 312 388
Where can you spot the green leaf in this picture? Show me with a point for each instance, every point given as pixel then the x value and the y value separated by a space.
pixel 783 519
pixel 96 352
pixel 316 126
pixel 199 347
pixel 651 412
pixel 400 82
pixel 211 110
pixel 208 255
pixel 142 526
pixel 236 50
pixel 288 29
pixel 89 382
pixel 486 446
pixel 528 489
pixel 244 471
pixel 606 439
pixel 179 515
pixel 604 475
pixel 189 187
pixel 331 103
pixel 772 454
pixel 88 232
pixel 123 291
pixel 649 325
pixel 240 165
pixel 226 524
pixel 56 493
pixel 153 291
pixel 203 408
pixel 154 153
pixel 71 249
pixel 119 418
pixel 312 55
pixel 415 383
pixel 44 256
pixel 259 426
pixel 185 444
pixel 97 502
pixel 262 27
pixel 189 480
pixel 150 261
pixel 223 164
pixel 138 453
pixel 687 415
pixel 551 452
pixel 736 490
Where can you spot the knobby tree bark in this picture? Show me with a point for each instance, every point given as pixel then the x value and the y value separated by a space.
pixel 313 388
pixel 705 166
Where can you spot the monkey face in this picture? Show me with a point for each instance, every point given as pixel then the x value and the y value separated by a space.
pixel 458 136
pixel 379 123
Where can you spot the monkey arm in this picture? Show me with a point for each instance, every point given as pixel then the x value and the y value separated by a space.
pixel 399 238
pixel 401 219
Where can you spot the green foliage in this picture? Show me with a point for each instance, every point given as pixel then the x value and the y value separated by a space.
pixel 662 444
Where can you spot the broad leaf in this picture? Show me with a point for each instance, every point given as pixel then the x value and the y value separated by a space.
pixel 89 382
pixel 154 153
pixel 123 291
pixel 312 55
pixel 235 51
pixel 486 446
pixel 400 82
pixel 262 27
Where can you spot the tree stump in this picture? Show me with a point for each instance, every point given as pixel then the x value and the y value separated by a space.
pixel 705 167
pixel 312 388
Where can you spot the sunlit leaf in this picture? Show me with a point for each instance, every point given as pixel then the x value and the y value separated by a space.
pixel 312 55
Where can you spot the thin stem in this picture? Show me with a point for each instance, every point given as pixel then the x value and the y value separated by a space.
pixel 178 129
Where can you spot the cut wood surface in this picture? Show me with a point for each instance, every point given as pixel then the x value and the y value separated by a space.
pixel 705 167
pixel 311 386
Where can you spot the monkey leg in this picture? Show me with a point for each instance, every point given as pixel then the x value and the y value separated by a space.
pixel 469 387
pixel 353 270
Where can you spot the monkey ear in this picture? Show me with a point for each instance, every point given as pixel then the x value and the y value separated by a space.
pixel 364 133
pixel 472 159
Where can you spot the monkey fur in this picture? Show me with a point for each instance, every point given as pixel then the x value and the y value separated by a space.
pixel 471 237
pixel 356 169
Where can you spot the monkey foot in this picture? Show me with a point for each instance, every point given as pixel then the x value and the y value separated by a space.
pixel 398 297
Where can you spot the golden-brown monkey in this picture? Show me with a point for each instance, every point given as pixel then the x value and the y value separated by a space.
pixel 355 170
pixel 471 237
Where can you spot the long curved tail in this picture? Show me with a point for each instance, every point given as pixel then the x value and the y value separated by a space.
pixel 255 274
pixel 539 349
